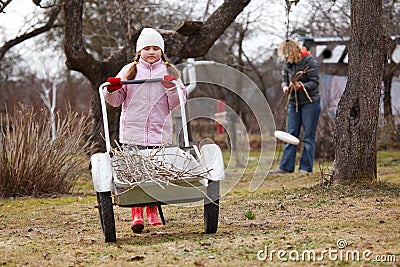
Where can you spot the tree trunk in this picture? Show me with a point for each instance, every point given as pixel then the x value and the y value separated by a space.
pixel 177 45
pixel 358 110
pixel 387 100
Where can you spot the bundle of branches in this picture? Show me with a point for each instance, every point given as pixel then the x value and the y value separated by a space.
pixel 299 74
pixel 161 166
pixel 295 79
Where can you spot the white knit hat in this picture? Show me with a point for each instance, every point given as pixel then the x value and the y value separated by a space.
pixel 149 37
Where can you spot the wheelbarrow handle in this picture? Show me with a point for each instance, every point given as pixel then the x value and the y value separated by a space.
pixel 153 80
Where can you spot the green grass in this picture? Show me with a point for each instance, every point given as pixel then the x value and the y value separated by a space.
pixel 249 215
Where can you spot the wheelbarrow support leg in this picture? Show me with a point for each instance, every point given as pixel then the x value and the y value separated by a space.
pixel 161 214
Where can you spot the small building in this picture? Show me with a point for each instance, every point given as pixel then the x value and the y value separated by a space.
pixel 332 56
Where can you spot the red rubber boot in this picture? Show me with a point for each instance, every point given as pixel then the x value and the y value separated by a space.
pixel 137 219
pixel 152 216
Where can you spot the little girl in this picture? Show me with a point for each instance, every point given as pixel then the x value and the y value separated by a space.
pixel 145 117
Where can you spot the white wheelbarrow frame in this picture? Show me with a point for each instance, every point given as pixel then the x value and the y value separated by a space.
pixel 207 189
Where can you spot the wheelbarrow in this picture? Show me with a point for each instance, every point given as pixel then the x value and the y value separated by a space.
pixel 112 189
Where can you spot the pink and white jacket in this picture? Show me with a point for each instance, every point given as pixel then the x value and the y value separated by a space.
pixel 146 108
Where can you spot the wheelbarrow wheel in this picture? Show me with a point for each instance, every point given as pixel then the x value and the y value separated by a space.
pixel 106 212
pixel 211 207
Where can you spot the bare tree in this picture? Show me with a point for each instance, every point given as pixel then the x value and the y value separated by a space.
pixel 358 109
pixel 50 101
pixel 330 18
pixel 177 44
pixel 391 27
pixel 391 68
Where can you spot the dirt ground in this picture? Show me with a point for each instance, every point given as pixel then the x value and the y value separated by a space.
pixel 288 221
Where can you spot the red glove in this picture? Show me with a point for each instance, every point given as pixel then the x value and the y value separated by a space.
pixel 167 81
pixel 299 86
pixel 115 84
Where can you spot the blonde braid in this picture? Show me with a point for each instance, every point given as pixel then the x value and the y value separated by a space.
pixel 171 69
pixel 131 74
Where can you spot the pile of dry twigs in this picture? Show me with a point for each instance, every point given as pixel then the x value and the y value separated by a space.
pixel 133 166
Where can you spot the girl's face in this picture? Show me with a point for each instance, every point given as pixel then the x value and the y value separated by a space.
pixel 151 54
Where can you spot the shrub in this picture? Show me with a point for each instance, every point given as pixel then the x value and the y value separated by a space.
pixel 31 163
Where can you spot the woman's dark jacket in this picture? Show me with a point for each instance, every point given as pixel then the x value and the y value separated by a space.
pixel 310 79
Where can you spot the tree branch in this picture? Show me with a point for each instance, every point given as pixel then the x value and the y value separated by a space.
pixel 11 43
pixel 200 42
pixel 3 5
pixel 179 45
pixel 78 58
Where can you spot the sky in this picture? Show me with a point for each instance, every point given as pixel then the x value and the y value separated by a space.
pixel 14 16
pixel 37 59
